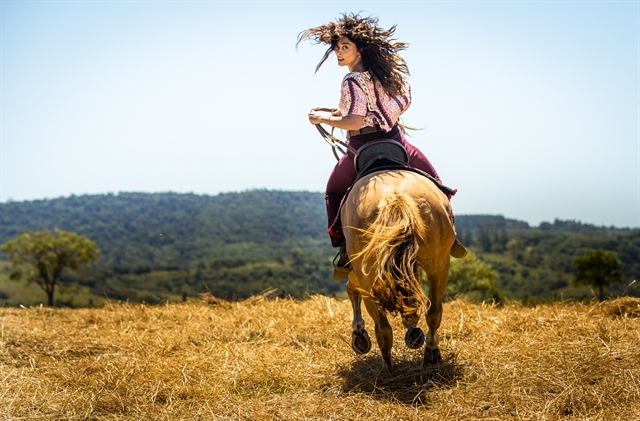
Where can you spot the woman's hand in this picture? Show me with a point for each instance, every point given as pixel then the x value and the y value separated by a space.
pixel 315 117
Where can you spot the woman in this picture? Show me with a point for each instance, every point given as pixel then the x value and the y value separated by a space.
pixel 373 95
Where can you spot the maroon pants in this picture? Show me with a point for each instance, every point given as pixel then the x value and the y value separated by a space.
pixel 344 172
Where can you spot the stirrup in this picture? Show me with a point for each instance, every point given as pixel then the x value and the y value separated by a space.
pixel 458 250
pixel 340 272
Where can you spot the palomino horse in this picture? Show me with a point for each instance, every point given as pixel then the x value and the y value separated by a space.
pixel 396 222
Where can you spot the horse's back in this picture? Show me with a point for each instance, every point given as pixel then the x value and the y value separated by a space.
pixel 361 206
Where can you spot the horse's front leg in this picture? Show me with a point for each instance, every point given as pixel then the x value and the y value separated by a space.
pixel 360 341
pixel 384 332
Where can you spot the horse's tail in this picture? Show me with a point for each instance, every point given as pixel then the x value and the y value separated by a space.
pixel 391 250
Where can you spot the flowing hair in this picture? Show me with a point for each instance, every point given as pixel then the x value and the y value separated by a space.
pixel 379 51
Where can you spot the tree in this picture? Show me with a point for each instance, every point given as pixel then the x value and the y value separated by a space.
pixel 43 257
pixel 472 274
pixel 597 267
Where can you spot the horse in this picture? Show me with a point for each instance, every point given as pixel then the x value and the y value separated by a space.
pixel 397 222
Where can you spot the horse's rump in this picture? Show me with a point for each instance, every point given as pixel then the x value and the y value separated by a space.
pixel 389 217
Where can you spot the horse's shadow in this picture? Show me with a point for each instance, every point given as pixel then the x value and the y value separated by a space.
pixel 409 383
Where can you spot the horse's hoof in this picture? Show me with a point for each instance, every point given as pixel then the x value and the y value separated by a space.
pixel 414 338
pixel 360 341
pixel 432 356
pixel 387 368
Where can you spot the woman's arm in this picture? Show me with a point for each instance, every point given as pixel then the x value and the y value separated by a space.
pixel 347 122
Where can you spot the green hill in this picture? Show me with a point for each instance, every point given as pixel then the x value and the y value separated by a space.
pixel 160 246
pixel 179 229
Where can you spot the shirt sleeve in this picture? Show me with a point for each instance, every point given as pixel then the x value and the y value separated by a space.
pixel 352 98
pixel 405 98
pixel 407 95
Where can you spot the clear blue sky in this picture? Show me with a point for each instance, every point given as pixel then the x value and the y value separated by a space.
pixel 530 109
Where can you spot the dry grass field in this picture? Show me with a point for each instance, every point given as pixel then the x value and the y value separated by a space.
pixel 274 359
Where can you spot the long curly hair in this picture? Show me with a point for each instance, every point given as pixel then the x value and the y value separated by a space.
pixel 379 52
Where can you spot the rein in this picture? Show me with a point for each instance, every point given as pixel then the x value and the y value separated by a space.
pixel 336 144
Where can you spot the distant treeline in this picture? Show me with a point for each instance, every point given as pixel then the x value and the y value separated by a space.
pixel 535 262
pixel 163 245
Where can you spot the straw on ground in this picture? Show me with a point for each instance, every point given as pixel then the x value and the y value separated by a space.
pixel 277 359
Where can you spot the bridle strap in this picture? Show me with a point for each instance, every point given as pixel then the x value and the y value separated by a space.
pixel 336 144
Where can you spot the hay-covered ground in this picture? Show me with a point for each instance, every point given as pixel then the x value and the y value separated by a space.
pixel 290 360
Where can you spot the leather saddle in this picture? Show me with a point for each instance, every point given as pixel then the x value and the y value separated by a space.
pixel 381 153
pixel 388 154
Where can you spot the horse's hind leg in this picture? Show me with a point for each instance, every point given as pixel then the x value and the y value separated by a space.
pixel 437 284
pixel 360 341
pixel 384 332
pixel 414 337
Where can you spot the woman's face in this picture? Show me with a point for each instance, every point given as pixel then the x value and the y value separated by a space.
pixel 346 52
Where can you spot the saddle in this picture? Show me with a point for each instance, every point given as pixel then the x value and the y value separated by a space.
pixel 382 155
pixel 379 153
